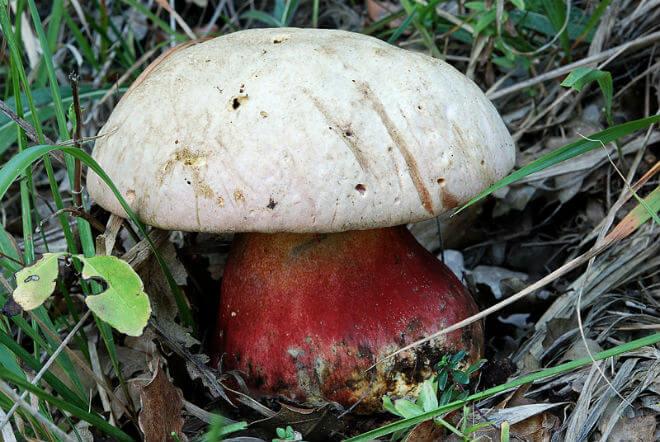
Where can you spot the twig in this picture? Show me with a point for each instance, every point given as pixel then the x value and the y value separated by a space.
pixel 29 130
pixel 96 368
pixel 191 35
pixel 23 124
pixel 214 18
pixel 75 212
pixel 637 43
pixel 77 135
pixel 45 368
pixel 184 353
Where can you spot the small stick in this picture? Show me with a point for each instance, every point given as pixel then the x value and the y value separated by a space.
pixel 77 135
pixel 23 124
pixel 75 211
pixel 29 130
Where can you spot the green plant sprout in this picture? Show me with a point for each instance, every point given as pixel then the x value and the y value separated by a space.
pixel 287 434
pixel 446 386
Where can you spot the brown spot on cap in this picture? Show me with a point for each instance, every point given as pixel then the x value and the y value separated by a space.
pixel 449 201
pixel 238 196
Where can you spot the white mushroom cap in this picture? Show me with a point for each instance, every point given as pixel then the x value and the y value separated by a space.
pixel 292 130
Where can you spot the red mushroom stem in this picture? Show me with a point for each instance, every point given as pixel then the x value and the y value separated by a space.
pixel 304 315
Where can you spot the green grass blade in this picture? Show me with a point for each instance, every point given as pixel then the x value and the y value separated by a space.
pixel 262 17
pixel 47 60
pixel 582 76
pixel 556 12
pixel 54 22
pixel 81 413
pixel 402 28
pixel 567 152
pixel 10 249
pixel 548 372
pixel 82 42
pixel 594 19
pixel 26 184
pixel 315 13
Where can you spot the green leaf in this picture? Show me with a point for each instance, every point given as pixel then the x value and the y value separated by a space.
pixel 446 396
pixel 407 409
pixel 124 304
pixel 484 20
pixel 475 6
pixel 504 432
pixel 458 357
pixel 476 366
pixel 442 380
pixel 582 76
pixel 389 406
pixel 428 398
pixel 461 378
pixel 15 166
pixel 35 283
pixel 520 4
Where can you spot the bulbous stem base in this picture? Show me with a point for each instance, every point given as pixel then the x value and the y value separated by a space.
pixel 304 315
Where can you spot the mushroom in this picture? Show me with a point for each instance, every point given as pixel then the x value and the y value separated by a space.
pixel 315 147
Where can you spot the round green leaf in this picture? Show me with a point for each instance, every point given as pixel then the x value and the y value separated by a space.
pixel 34 284
pixel 124 304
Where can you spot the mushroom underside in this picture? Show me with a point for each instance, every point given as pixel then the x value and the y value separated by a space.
pixel 305 315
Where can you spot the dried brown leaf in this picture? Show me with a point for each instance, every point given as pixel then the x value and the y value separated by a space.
pixel 637 429
pixel 162 404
